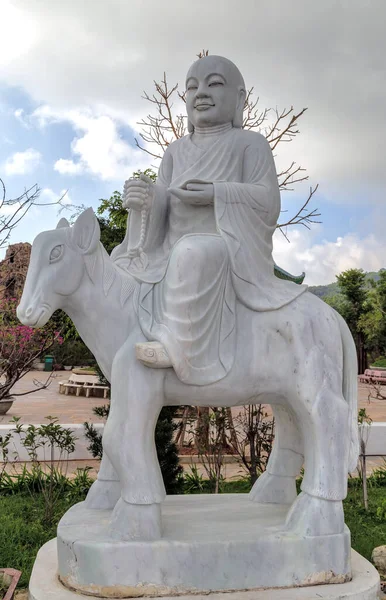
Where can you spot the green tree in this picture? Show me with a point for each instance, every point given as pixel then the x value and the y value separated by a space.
pixel 373 322
pixel 112 216
pixel 354 288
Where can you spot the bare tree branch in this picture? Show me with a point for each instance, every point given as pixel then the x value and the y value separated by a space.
pixel 303 216
pixel 12 211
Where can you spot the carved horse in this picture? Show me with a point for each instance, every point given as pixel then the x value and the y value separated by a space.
pixel 300 359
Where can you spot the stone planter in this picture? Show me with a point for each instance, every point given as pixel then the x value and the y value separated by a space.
pixel 84 371
pixel 11 578
pixel 5 405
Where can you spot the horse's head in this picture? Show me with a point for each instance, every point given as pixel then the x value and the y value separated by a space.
pixel 56 268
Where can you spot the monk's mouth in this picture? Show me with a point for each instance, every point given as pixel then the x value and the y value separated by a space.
pixel 203 106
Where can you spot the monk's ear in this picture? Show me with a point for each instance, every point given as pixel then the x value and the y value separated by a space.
pixel 239 113
pixel 85 234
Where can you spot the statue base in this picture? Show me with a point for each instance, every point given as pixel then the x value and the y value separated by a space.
pixel 44 584
pixel 210 543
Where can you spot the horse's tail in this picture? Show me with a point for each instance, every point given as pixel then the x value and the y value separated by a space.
pixel 350 390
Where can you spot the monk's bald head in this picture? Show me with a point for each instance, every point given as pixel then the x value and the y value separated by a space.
pixel 215 93
pixel 212 64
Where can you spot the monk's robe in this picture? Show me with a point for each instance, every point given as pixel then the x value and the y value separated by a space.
pixel 202 260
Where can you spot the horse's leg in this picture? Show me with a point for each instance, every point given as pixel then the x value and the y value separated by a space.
pixel 318 510
pixel 278 483
pixel 106 490
pixel 137 398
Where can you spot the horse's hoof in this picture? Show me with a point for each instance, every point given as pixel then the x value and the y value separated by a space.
pixel 135 521
pixel 311 516
pixel 103 495
pixel 273 489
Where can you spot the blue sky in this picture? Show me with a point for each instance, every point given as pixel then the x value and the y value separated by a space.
pixel 69 104
pixel 20 133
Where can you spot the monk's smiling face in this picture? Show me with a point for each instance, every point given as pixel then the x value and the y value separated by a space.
pixel 213 91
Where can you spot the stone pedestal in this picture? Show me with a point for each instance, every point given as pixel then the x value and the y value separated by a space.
pixel 209 543
pixel 45 585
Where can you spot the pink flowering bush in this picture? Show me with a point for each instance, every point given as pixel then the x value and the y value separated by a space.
pixel 20 346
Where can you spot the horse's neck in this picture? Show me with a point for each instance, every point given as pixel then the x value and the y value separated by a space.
pixel 97 312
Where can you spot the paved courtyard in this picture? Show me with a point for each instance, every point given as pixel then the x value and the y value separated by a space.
pixel 32 408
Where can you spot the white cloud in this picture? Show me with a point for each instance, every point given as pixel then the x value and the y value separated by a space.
pixel 21 116
pixel 19 33
pixel 328 57
pixel 22 163
pixel 65 166
pixel 323 261
pixel 97 148
pixel 47 195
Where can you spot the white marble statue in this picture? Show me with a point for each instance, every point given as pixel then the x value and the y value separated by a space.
pixel 208 242
pixel 192 291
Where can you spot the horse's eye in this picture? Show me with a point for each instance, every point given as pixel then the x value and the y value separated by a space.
pixel 56 253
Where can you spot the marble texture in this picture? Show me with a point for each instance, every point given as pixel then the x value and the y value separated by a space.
pixel 213 548
pixel 195 276
pixel 301 359
pixel 44 584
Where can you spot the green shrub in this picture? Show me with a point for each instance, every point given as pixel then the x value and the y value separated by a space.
pixel 378 476
pixel 36 481
pixel 194 482
pixel 379 362
pixel 73 353
pixel 381 510
pixel 43 444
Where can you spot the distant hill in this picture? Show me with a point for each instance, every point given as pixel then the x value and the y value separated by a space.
pixel 324 290
pixel 332 288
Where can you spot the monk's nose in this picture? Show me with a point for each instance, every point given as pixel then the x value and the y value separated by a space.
pixel 201 93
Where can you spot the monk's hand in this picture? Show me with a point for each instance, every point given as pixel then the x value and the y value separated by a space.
pixel 138 193
pixel 197 194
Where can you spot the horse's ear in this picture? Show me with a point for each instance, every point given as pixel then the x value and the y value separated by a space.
pixel 62 223
pixel 85 233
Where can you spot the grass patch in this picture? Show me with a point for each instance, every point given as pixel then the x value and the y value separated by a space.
pixel 368 530
pixel 23 531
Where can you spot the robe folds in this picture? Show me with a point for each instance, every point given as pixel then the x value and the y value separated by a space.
pixel 202 260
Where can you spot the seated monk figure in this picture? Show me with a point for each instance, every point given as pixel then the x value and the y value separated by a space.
pixel 199 241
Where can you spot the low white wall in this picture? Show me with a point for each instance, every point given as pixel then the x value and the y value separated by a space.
pixel 375 435
pixel 81 444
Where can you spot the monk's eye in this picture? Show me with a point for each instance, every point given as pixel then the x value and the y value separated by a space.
pixel 56 253
pixel 215 83
pixel 191 87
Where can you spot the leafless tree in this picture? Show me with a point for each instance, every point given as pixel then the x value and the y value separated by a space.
pixel 12 211
pixel 212 444
pixel 164 124
pixel 254 429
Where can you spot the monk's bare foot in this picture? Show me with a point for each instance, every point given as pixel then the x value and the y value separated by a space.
pixel 152 354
